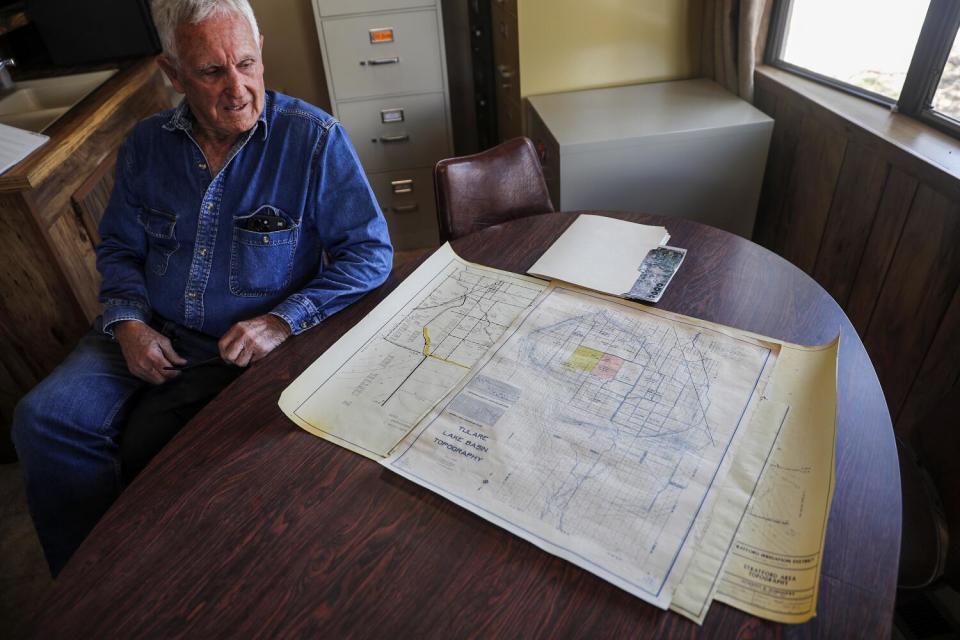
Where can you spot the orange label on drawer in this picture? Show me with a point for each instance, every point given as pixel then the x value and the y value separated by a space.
pixel 379 36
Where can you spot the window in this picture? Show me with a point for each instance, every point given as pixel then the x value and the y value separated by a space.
pixel 902 53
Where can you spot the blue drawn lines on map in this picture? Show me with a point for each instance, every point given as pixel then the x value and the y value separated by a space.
pixel 642 378
pixel 603 429
pixel 629 436
pixel 601 490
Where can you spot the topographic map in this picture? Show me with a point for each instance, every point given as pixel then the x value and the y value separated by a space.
pixel 595 430
pixel 682 461
pixel 369 390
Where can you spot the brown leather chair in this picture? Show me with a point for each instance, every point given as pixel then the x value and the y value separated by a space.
pixel 490 187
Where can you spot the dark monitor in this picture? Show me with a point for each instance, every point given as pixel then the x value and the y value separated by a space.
pixel 86 31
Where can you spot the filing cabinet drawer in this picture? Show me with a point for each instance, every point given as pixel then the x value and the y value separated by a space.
pixel 411 63
pixel 384 142
pixel 341 7
pixel 408 204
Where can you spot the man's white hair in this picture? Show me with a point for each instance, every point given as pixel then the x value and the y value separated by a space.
pixel 169 14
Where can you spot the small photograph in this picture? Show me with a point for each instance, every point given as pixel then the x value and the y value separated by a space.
pixel 656 271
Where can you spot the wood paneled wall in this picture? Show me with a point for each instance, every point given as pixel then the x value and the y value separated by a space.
pixel 880 231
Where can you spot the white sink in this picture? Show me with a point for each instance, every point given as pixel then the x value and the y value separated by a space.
pixel 36 104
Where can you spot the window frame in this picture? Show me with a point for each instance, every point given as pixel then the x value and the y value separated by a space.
pixel 937 34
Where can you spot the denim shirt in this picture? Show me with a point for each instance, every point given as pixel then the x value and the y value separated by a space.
pixel 175 241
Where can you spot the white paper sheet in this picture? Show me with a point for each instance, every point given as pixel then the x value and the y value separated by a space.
pixel 600 253
pixel 17 144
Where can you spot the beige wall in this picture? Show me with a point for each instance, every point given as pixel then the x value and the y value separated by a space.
pixel 564 44
pixel 567 45
pixel 291 49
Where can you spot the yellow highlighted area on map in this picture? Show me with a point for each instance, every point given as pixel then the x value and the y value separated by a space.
pixel 426 341
pixel 584 358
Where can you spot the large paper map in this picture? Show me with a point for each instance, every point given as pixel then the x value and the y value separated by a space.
pixel 680 460
pixel 596 430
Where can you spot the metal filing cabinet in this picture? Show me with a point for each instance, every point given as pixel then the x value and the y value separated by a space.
pixel 687 148
pixel 386 71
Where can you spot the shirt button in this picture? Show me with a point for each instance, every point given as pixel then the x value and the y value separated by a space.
pixel 266 239
pixel 304 324
pixel 192 294
pixel 203 252
pixel 202 166
pixel 209 206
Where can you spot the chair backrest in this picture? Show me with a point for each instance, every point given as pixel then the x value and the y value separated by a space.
pixel 490 187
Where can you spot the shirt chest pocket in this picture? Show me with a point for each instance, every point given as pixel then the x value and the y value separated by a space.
pixel 261 259
pixel 159 227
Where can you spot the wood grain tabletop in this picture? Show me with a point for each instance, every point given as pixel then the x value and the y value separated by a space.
pixel 246 526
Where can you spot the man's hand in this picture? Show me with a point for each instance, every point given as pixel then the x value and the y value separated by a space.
pixel 146 351
pixel 251 340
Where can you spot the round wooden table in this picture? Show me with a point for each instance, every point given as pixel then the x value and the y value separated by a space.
pixel 247 526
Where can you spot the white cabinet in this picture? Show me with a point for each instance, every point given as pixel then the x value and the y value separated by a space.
pixel 387 76
pixel 686 148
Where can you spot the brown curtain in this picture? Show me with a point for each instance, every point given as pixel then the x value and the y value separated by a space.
pixel 734 33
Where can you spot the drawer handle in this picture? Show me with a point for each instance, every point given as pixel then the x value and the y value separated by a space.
pixel 504 71
pixel 405 208
pixel 401 138
pixel 402 186
pixel 373 62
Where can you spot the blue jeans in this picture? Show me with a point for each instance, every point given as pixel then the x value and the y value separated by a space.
pixel 66 433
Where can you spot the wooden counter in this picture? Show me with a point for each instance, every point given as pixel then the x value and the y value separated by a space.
pixel 50 205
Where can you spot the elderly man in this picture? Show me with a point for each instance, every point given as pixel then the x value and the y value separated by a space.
pixel 238 219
